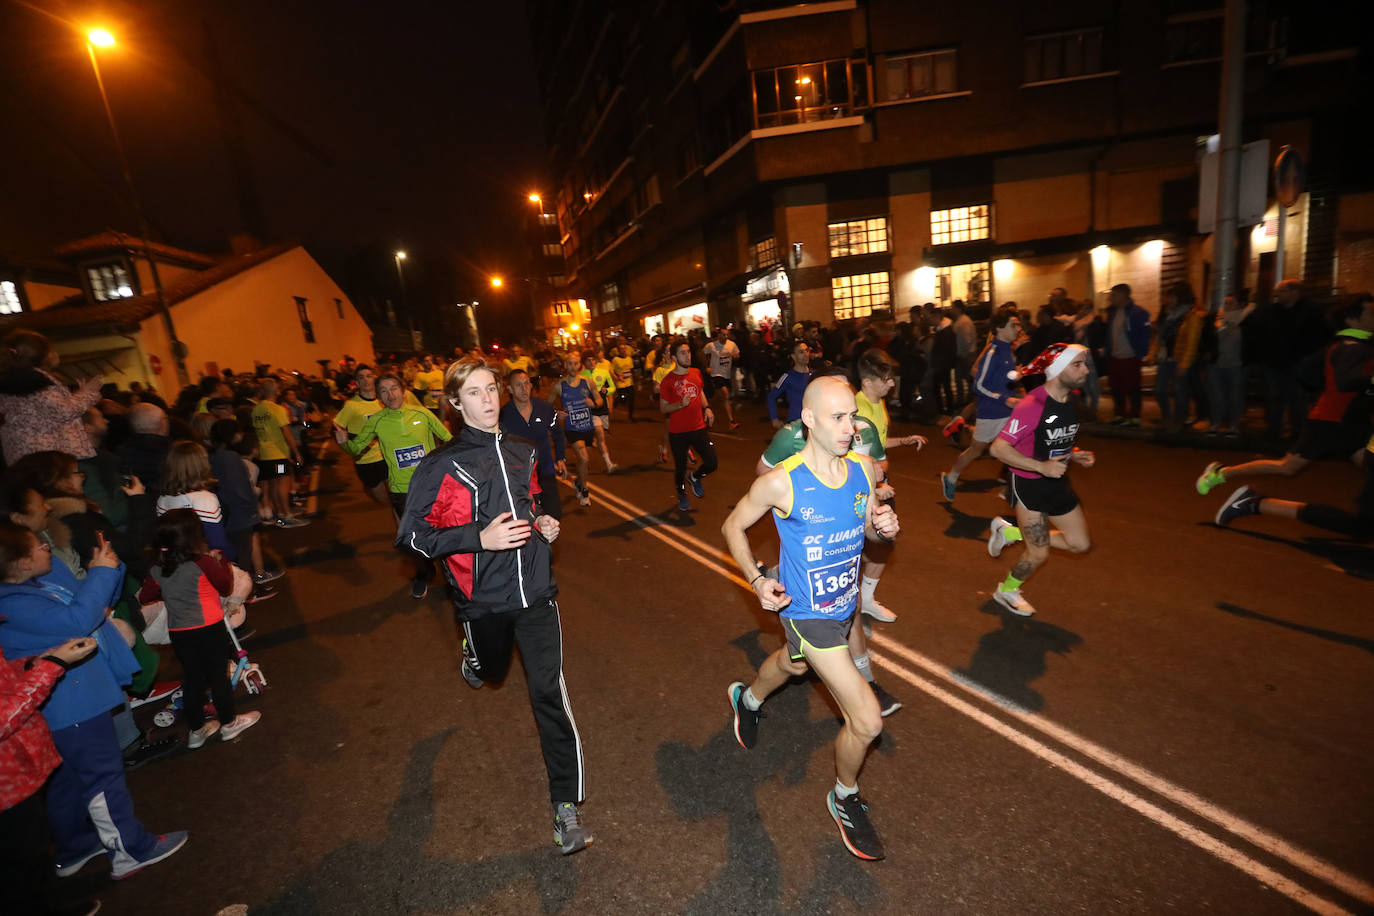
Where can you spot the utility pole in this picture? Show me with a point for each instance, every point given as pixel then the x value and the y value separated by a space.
pixel 1228 183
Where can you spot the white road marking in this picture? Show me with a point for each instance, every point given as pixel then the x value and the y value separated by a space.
pixel 713 558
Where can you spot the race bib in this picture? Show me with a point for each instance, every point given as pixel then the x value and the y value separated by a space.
pixel 579 418
pixel 409 457
pixel 834 587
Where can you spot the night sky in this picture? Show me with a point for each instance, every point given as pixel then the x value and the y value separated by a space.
pixel 368 127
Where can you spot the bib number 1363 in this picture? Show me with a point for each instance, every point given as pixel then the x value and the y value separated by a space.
pixel 833 584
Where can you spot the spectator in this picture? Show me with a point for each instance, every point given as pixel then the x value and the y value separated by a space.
pixel 186 484
pixel 144 451
pixel 1089 331
pixel 1289 330
pixel 1127 342
pixel 1174 349
pixel 965 349
pixel 237 499
pixel 40 414
pixel 943 358
pixel 104 480
pixel 1227 377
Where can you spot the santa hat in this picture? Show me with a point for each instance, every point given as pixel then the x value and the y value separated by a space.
pixel 1054 360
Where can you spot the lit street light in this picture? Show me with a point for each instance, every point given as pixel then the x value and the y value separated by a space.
pixel 401 278
pixel 535 198
pixel 100 38
pixel 497 283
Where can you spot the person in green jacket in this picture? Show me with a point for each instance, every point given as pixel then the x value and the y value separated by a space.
pixel 406 435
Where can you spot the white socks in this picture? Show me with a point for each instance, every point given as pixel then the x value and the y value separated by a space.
pixel 861 662
pixel 866 590
pixel 751 702
pixel 844 791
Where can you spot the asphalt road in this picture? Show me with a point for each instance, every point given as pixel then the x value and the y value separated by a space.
pixel 1177 730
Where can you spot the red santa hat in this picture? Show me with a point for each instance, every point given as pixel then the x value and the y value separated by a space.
pixel 1054 360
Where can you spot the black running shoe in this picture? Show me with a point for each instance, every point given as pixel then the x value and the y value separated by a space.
pixel 887 703
pixel 851 816
pixel 570 835
pixel 746 719
pixel 419 588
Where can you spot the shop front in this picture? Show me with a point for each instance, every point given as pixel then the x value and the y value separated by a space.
pixel 763 299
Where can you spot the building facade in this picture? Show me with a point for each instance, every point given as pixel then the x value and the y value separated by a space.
pixel 757 161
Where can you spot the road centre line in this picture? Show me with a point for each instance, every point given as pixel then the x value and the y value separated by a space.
pixel 707 555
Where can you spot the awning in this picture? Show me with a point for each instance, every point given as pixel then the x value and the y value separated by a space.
pixel 94 362
pixel 690 295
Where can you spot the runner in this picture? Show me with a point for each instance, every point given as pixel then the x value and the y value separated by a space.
pixel 277 455
pixel 406 435
pixel 721 355
pixel 791 385
pixel 663 364
pixel 429 385
pixel 682 396
pixel 877 376
pixel 1358 524
pixel 370 467
pixel 787 442
pixel 623 374
pixel 575 396
pixel 534 418
pixel 1337 426
pixel 1038 444
pixel 597 371
pixel 475 504
pixel 994 381
pixel 823 505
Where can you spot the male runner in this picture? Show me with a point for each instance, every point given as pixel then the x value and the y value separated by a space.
pixel 429 386
pixel 994 381
pixel 406 435
pixel 1038 443
pixel 791 385
pixel 682 396
pixel 877 376
pixel 1338 424
pixel 721 354
pixel 823 505
pixel 787 442
pixel 277 454
pixel 623 374
pixel 534 418
pixel 597 371
pixel 352 415
pixel 575 397
pixel 475 505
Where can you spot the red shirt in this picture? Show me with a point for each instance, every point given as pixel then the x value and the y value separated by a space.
pixel 674 388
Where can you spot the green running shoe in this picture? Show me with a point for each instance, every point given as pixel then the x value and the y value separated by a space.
pixel 1211 478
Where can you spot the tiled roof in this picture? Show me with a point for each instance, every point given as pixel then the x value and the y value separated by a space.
pixel 114 239
pixel 75 312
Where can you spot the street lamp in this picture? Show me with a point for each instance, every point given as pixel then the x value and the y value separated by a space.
pixel 535 198
pixel 101 38
pixel 497 283
pixel 401 279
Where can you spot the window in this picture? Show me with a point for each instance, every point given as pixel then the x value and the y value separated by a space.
pixel 338 307
pixel 809 92
pixel 9 298
pixel 562 307
pixel 961 224
pixel 646 195
pixel 764 253
pixel 1064 55
pixel 860 236
pixel 859 295
pixel 1193 37
pixel 688 159
pixel 304 314
pixel 968 282
pixel 548 219
pixel 910 76
pixel 109 281
pixel 557 280
pixel 553 249
pixel 610 297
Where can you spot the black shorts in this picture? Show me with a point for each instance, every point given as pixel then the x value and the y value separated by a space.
pixel 714 384
pixel 371 474
pixel 276 467
pixel 821 634
pixel 1054 496
pixel 1323 439
pixel 587 438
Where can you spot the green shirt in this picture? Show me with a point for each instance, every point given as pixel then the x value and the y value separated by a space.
pixel 406 436
pixel 790 440
pixel 269 420
pixel 351 418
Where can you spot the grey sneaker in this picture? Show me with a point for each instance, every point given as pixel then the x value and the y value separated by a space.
pixel 569 833
pixel 242 722
pixel 1013 601
pixel 947 484
pixel 887 703
pixel 197 737
pixel 1244 501
pixel 998 538
pixel 168 844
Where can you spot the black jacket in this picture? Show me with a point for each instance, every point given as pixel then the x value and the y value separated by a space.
pixel 455 493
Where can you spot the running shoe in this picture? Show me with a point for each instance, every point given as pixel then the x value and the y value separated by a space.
pixel 584 497
pixel 197 737
pixel 878 611
pixel 697 488
pixel 268 575
pixel 851 816
pixel 1244 501
pixel 242 722
pixel 469 673
pixel 947 484
pixel 951 429
pixel 612 467
pixel 1013 601
pixel 734 425
pixel 167 845
pixel 74 865
pixel 569 833
pixel 683 505
pixel 1211 478
pixel 998 539
pixel 291 521
pixel 662 455
pixel 419 588
pixel 887 703
pixel 746 719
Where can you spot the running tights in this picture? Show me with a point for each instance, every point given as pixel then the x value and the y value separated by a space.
pixel 700 441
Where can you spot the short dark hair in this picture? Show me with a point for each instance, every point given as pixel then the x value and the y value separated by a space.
pixel 875 363
pixel 1123 288
pixel 1353 307
pixel 510 376
pixel 16 542
pixel 1002 318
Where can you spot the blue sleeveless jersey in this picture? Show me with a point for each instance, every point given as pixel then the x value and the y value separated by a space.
pixel 574 401
pixel 822 538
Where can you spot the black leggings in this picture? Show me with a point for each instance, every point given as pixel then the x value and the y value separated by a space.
pixel 699 439
pixel 1358 524
pixel 204 654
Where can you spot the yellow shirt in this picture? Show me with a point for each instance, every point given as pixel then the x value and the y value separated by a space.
pixel 431 384
pixel 875 414
pixel 269 421
pixel 354 414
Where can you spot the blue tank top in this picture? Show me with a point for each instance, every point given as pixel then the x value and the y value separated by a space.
pixel 574 400
pixel 822 539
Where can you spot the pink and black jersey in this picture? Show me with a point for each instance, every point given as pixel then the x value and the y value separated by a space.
pixel 1042 428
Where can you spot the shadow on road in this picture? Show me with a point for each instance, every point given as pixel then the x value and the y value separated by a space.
pixel 964 526
pixel 1010 657
pixel 1345 639
pixel 395 875
pixel 666 518
pixel 721 779
pixel 1352 558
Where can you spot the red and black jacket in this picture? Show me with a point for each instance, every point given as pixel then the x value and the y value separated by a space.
pixel 455 493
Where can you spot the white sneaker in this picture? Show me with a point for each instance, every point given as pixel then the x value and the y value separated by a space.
pixel 242 722
pixel 998 539
pixel 1013 601
pixel 197 737
pixel 877 611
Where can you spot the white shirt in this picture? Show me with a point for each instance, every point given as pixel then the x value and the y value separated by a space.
pixel 720 357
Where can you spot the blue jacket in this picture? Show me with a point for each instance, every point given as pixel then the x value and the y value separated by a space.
pixel 543 422
pixel 236 498
pixel 42 613
pixel 1137 330
pixel 792 384
pixel 992 382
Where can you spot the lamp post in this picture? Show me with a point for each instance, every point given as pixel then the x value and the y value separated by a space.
pixel 401 279
pixel 103 39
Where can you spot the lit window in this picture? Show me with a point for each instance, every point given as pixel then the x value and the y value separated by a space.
pixel 553 250
pixel 1063 55
pixel 9 298
pixel 910 76
pixel 809 92
pixel 968 282
pixel 860 236
pixel 109 281
pixel 764 253
pixel 960 224
pixel 859 295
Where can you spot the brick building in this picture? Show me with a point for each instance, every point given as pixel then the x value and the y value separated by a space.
pixel 753 160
